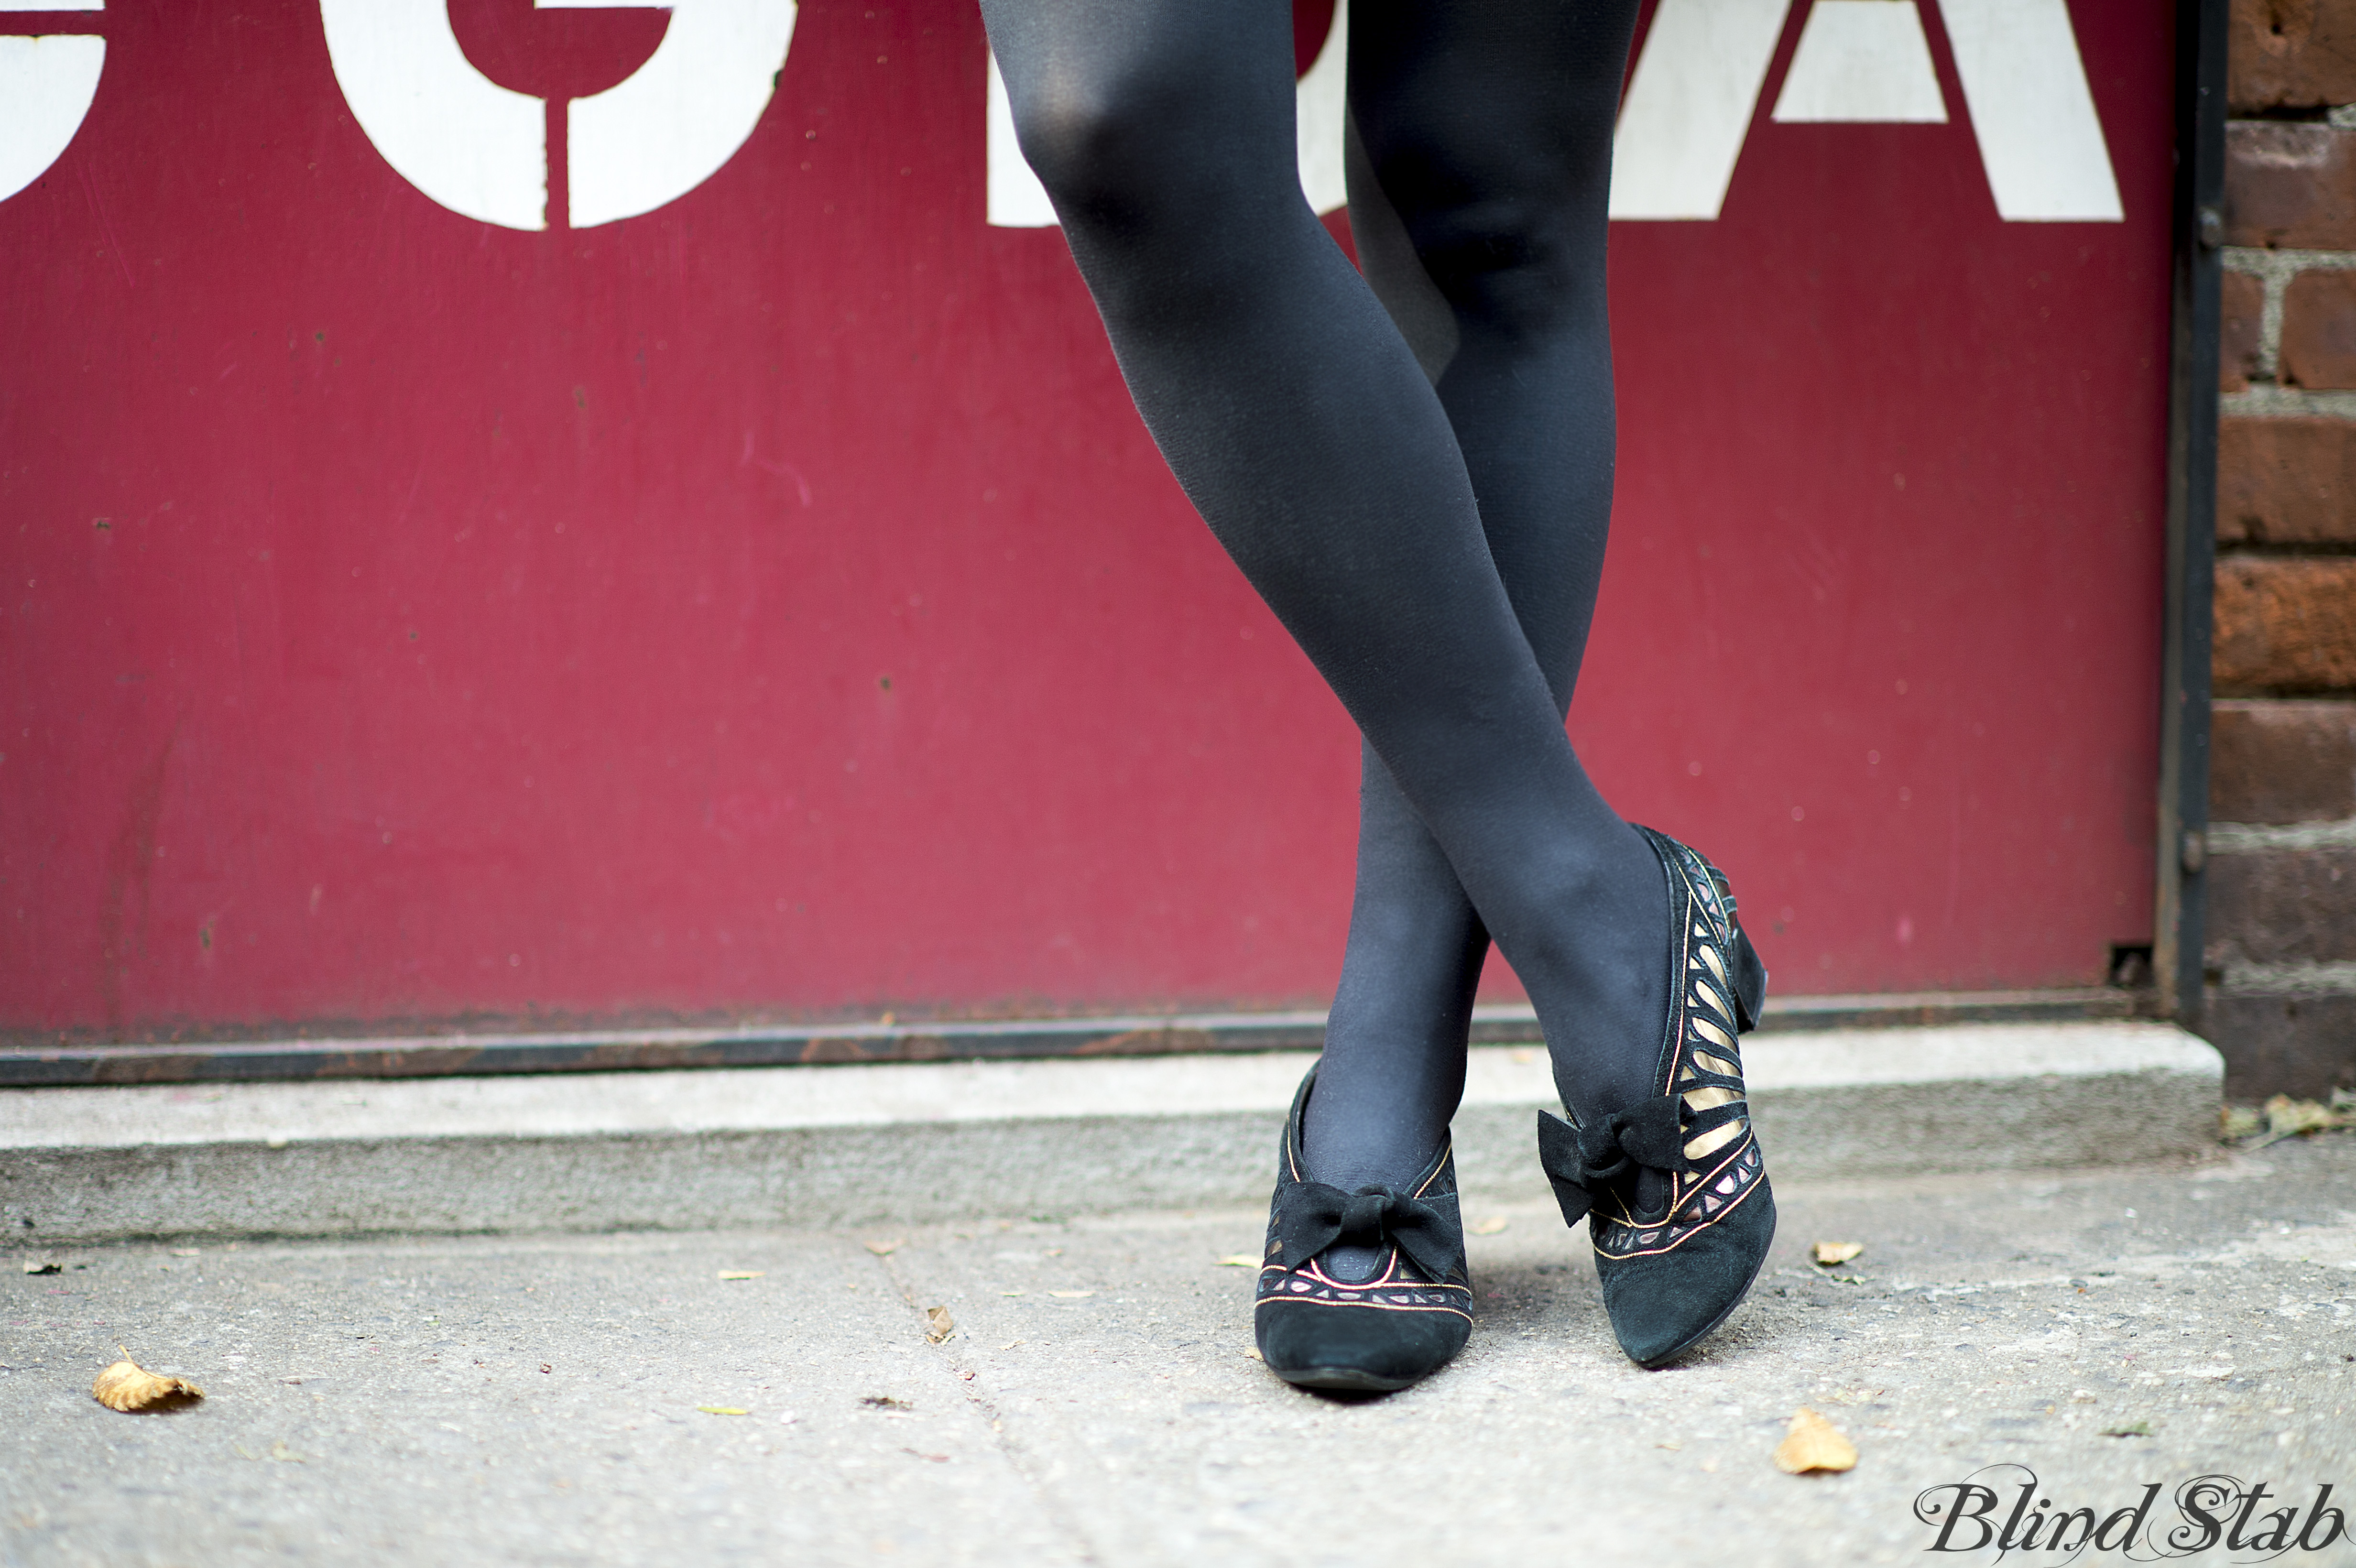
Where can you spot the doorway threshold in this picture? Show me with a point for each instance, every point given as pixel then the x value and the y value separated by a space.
pixel 471 1054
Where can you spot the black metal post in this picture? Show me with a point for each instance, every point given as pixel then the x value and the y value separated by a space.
pixel 2199 236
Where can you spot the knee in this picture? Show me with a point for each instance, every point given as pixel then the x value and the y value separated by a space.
pixel 1164 137
pixel 1511 261
pixel 1089 140
pixel 1510 226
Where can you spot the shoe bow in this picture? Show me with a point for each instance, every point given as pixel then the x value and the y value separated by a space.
pixel 1582 1162
pixel 1315 1216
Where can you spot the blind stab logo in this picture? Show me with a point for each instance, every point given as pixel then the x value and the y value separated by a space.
pixel 2007 1507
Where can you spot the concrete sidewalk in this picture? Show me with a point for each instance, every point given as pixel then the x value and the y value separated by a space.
pixel 540 1399
pixel 910 1143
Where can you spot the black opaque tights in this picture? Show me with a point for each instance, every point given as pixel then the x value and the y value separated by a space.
pixel 1412 467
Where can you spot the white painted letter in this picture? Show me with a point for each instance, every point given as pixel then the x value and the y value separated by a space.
pixel 1862 61
pixel 1320 100
pixel 1689 105
pixel 675 120
pixel 2026 88
pixel 1017 200
pixel 482 151
pixel 447 129
pixel 46 86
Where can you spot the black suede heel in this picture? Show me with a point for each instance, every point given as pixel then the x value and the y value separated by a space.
pixel 1676 1267
pixel 1371 1336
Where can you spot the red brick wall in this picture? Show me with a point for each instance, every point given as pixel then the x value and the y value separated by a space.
pixel 2282 878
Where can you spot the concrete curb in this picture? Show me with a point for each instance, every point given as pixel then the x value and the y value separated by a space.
pixel 863 1145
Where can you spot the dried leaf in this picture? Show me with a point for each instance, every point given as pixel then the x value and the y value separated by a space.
pixel 1671 1443
pixel 1828 1253
pixel 127 1385
pixel 942 1324
pixel 1812 1443
pixel 885 1402
pixel 1253 1351
pixel 282 1453
pixel 2285 1117
pixel 1239 1260
pixel 32 1268
pixel 883 1249
pixel 721 1410
pixel 2282 1118
pixel 1492 1225
pixel 742 1273
pixel 1070 1294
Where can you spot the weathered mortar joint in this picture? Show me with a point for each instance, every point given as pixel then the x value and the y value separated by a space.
pixel 2257 282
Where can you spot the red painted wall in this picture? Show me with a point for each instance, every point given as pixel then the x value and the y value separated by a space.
pixel 1893 485
pixel 772 604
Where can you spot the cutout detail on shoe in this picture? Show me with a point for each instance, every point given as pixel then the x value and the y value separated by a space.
pixel 1712 1000
pixel 1701 1076
pixel 1709 956
pixel 1717 1139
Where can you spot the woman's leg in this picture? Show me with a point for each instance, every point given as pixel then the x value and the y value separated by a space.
pixel 1306 433
pixel 1480 167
